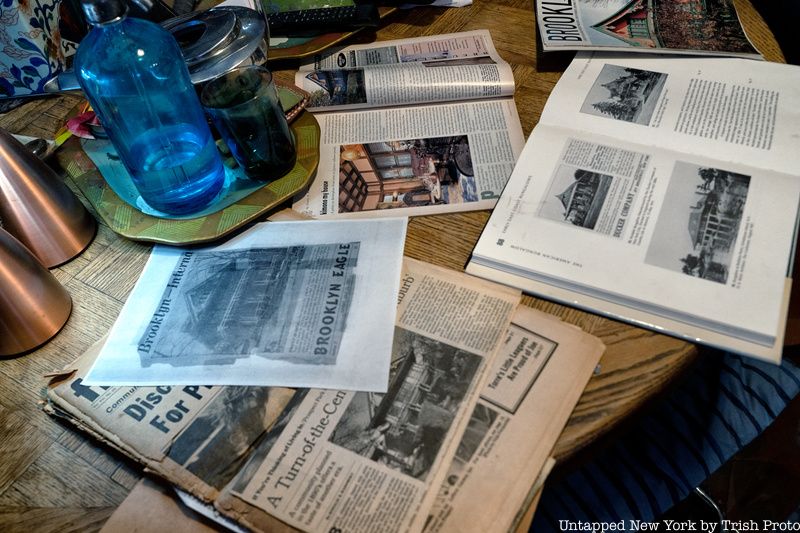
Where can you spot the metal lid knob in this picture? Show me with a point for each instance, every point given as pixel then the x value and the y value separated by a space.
pixel 103 11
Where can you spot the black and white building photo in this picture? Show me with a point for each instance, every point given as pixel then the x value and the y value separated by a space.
pixel 699 223
pixel 405 427
pixel 624 93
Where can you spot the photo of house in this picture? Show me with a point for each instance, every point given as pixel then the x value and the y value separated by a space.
pixel 699 223
pixel 627 94
pixel 577 197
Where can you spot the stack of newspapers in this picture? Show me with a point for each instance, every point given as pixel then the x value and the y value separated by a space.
pixel 478 391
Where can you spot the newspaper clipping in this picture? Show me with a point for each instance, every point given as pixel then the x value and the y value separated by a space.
pixel 219 306
pixel 288 303
pixel 595 187
pixel 359 461
pixel 692 26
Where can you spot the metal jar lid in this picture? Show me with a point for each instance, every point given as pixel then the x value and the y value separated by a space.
pixel 217 40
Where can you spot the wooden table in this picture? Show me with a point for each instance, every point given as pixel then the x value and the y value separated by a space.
pixel 55 478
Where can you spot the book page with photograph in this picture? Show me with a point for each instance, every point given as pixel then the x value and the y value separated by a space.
pixel 708 27
pixel 438 68
pixel 284 304
pixel 363 462
pixel 419 160
pixel 705 245
pixel 746 112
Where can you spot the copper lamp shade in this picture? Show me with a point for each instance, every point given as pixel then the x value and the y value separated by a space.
pixel 38 209
pixel 34 306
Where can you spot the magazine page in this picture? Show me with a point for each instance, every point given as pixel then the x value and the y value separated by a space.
pixel 363 462
pixel 702 242
pixel 196 437
pixel 441 68
pixel 418 160
pixel 537 378
pixel 708 27
pixel 284 304
pixel 746 112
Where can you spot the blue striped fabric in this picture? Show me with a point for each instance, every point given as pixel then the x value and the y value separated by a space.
pixel 724 403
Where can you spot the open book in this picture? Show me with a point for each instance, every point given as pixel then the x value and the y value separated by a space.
pixel 428 125
pixel 479 392
pixel 661 191
pixel 702 27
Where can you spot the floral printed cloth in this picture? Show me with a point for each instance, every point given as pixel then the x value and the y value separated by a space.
pixel 31 48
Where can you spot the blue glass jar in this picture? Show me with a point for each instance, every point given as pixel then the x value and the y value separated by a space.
pixel 135 78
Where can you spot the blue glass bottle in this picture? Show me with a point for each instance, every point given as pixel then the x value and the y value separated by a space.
pixel 134 76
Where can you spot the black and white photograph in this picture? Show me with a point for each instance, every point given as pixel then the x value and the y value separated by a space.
pixel 624 93
pixel 576 196
pixel 219 440
pixel 337 87
pixel 404 428
pixel 219 306
pixel 698 226
pixel 406 173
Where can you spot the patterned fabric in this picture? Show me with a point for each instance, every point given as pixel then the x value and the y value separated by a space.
pixel 725 402
pixel 31 49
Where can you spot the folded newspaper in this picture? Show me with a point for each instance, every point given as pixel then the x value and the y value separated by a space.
pixel 680 172
pixel 425 125
pixel 703 27
pixel 296 304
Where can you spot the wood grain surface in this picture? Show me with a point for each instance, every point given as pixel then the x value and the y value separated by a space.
pixel 53 478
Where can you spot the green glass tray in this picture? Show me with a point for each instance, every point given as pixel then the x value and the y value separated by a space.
pixel 128 221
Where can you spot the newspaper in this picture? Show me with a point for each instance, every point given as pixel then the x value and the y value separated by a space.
pixel 287 304
pixel 424 125
pixel 703 27
pixel 536 380
pixel 537 376
pixel 317 459
pixel 681 173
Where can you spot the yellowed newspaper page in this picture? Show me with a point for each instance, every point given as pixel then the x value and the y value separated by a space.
pixel 537 377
